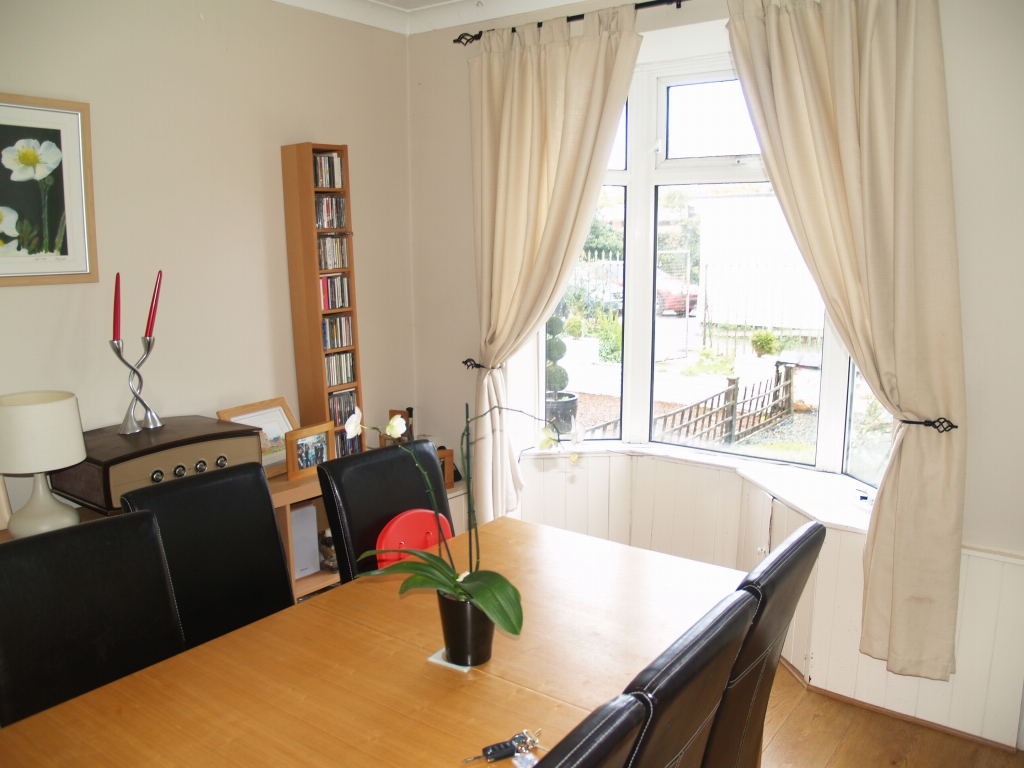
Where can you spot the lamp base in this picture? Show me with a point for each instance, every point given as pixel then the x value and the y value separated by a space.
pixel 42 512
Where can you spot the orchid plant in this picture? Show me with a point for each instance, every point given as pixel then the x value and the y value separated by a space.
pixel 489 591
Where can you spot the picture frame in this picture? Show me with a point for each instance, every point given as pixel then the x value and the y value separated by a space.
pixel 447 457
pixel 47 216
pixel 275 420
pixel 308 447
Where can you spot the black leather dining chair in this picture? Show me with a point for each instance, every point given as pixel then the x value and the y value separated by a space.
pixel 604 739
pixel 81 607
pixel 223 548
pixel 682 688
pixel 364 491
pixel 777 583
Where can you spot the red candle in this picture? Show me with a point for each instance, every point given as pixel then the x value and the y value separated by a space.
pixel 117 307
pixel 153 304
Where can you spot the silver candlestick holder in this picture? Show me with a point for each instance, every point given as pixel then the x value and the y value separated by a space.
pixel 131 425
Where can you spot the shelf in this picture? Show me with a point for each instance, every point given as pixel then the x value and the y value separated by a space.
pixel 335 190
pixel 342 387
pixel 315 581
pixel 335 231
pixel 335 271
pixel 332 350
pixel 335 311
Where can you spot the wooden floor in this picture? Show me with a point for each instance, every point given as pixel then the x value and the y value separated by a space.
pixel 804 729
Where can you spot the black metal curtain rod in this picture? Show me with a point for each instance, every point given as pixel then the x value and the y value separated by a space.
pixel 465 38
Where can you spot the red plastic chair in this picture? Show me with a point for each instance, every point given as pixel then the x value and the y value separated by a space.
pixel 415 529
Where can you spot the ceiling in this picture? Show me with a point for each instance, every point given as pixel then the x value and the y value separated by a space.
pixel 409 17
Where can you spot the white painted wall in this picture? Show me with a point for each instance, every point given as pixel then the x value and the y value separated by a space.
pixel 190 104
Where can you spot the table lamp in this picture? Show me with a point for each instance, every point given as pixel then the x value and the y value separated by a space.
pixel 39 432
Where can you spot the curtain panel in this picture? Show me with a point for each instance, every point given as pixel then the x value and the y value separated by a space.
pixel 848 99
pixel 545 108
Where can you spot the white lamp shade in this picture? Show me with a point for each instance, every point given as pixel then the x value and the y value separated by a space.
pixel 39 432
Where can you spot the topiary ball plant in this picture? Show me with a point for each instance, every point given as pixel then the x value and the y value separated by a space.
pixel 574 326
pixel 556 376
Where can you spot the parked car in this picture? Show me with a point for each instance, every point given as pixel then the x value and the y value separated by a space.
pixel 673 294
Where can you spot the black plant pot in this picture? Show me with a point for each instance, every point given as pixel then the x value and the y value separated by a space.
pixel 468 633
pixel 561 410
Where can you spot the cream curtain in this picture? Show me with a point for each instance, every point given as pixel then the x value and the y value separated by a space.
pixel 848 98
pixel 545 108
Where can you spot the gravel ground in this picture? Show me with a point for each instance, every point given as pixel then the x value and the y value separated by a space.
pixel 597 409
pixel 801 428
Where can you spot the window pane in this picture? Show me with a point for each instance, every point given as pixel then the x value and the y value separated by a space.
pixel 584 337
pixel 617 159
pixel 709 120
pixel 870 433
pixel 738 325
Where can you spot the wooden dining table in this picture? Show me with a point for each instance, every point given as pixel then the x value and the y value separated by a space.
pixel 343 678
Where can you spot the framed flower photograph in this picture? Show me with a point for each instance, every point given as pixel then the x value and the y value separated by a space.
pixel 47 229
pixel 308 447
pixel 275 420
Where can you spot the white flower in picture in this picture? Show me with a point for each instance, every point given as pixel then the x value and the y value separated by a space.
pixel 8 221
pixel 28 159
pixel 354 426
pixel 396 427
pixel 9 249
pixel 547 438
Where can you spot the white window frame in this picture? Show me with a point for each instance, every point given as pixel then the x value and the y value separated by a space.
pixel 648 168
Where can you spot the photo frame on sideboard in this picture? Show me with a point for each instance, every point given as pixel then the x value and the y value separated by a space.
pixel 47 219
pixel 275 420
pixel 307 448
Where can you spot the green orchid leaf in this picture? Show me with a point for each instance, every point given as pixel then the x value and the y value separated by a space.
pixel 413 567
pixel 493 594
pixel 426 557
pixel 425 582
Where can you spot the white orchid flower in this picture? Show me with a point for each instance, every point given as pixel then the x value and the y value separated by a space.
pixel 8 221
pixel 396 427
pixel 547 438
pixel 28 159
pixel 354 424
pixel 9 249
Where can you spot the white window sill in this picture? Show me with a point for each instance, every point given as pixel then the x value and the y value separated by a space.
pixel 833 500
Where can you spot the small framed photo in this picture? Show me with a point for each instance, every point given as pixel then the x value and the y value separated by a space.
pixel 47 225
pixel 308 447
pixel 447 457
pixel 275 420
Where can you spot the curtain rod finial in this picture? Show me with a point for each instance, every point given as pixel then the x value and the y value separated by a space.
pixel 465 38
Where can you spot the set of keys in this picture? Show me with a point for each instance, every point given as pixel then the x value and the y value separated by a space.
pixel 518 748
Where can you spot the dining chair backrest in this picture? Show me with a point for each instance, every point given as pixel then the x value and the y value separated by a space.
pixel 682 688
pixel 777 583
pixel 364 491
pixel 81 607
pixel 223 548
pixel 604 739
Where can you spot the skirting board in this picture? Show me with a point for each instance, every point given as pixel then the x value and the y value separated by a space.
pixel 896 715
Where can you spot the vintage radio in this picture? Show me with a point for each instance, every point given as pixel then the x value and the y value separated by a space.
pixel 183 446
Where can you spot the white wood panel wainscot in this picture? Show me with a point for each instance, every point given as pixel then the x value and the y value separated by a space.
pixel 731 512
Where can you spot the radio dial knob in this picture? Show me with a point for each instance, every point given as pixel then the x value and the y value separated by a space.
pixel 200 466
pixel 157 476
pixel 179 471
pixel 222 461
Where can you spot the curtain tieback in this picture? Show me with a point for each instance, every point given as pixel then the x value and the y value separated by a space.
pixel 470 364
pixel 940 424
